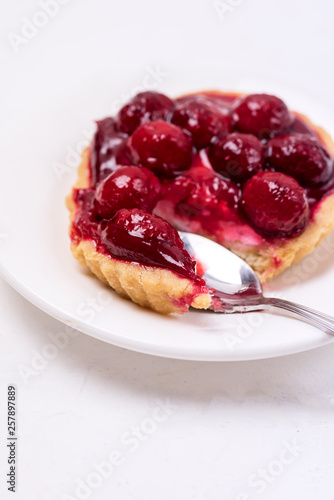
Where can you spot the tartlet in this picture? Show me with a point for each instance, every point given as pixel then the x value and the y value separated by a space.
pixel 242 170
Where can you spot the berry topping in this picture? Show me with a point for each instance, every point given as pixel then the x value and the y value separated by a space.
pixel 262 115
pixel 207 192
pixel 302 157
pixel 275 156
pixel 127 187
pixel 161 147
pixel 202 119
pixel 139 236
pixel 144 107
pixel 204 196
pixel 275 204
pixel 237 156
pixel 141 224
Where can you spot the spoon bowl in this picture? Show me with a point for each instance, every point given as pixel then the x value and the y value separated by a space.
pixel 224 271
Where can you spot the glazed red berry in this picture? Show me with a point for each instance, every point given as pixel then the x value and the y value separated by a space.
pixel 202 119
pixel 275 204
pixel 203 194
pixel 301 156
pixel 144 225
pixel 236 156
pixel 144 107
pixel 109 149
pixel 126 187
pixel 262 115
pixel 136 235
pixel 209 193
pixel 161 147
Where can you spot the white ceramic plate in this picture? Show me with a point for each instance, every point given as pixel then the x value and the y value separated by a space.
pixel 46 120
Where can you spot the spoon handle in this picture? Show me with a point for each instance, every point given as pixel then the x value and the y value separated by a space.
pixel 315 318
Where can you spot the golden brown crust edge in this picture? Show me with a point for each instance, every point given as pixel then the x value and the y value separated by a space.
pixel 156 288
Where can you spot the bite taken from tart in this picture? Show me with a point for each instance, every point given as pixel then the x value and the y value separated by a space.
pixel 243 170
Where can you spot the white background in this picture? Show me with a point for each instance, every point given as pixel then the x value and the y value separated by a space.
pixel 225 423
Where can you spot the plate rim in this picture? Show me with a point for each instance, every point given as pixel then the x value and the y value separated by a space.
pixel 136 345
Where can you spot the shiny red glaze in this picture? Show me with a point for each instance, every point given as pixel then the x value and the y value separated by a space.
pixel 202 119
pixel 136 235
pixel 85 224
pixel 275 204
pixel 162 147
pixel 315 194
pixel 301 156
pixel 108 150
pixel 144 107
pixel 126 187
pixel 236 156
pixel 262 115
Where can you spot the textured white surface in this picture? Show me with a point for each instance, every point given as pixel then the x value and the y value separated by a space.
pixel 226 423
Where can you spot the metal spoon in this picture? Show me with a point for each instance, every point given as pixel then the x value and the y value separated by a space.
pixel 236 285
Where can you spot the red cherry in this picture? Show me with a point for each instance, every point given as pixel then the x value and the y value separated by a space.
pixel 139 236
pixel 237 156
pixel 161 147
pixel 275 204
pixel 144 107
pixel 301 156
pixel 126 187
pixel 203 194
pixel 262 115
pixel 141 224
pixel 202 119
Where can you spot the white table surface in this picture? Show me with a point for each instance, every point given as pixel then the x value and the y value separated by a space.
pixel 174 429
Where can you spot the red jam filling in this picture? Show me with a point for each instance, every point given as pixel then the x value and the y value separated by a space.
pixel 233 168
